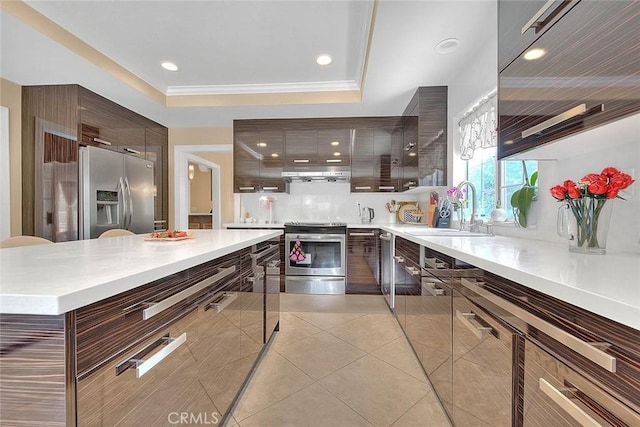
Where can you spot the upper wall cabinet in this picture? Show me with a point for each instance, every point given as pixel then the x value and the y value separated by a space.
pixel 565 67
pixel 426 120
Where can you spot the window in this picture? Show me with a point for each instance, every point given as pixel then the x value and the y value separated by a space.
pixel 492 178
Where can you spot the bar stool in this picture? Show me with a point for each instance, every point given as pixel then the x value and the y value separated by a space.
pixel 16 241
pixel 115 232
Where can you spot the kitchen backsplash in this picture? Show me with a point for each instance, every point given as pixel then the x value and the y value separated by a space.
pixel 319 201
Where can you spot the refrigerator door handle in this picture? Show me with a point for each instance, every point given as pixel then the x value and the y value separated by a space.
pixel 130 210
pixel 124 203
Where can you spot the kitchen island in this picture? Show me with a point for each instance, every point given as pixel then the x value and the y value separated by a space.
pixel 71 312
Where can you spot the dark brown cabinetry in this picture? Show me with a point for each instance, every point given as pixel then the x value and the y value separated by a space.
pixel 258 159
pixel 587 76
pixel 425 145
pixel 363 261
pixel 56 120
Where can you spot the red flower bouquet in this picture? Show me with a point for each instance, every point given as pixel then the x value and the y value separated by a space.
pixel 587 200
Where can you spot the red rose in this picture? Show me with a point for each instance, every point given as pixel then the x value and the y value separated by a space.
pixel 574 192
pixel 609 172
pixel 558 191
pixel 592 178
pixel 621 181
pixel 612 193
pixel 568 184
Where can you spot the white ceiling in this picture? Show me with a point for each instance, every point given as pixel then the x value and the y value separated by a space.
pixel 249 45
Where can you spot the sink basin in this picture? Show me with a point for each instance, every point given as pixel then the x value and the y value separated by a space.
pixel 445 232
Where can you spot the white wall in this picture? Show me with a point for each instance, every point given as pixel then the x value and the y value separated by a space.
pixel 320 201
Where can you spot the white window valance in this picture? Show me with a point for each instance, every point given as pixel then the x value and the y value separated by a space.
pixel 478 127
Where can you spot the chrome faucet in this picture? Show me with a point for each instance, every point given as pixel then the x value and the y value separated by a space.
pixel 474 223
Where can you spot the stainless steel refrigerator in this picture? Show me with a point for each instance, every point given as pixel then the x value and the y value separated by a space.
pixel 116 191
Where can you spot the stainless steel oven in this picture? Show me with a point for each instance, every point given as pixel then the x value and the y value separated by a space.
pixel 315 258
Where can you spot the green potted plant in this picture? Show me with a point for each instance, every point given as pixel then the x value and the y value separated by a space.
pixel 522 198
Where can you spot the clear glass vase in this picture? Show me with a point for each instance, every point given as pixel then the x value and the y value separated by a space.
pixel 585 223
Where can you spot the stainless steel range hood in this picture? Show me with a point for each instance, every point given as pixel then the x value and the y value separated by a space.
pixel 311 174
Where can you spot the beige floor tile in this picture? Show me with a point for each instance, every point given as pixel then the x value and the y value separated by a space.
pixel 334 303
pixel 275 379
pixel 231 422
pixel 376 390
pixel 326 320
pixel 426 413
pixel 369 332
pixel 398 353
pixel 313 406
pixel 320 355
pixel 292 329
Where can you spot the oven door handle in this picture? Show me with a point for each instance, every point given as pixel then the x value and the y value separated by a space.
pixel 573 410
pixel 323 237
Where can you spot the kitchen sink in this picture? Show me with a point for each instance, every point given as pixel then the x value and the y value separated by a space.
pixel 445 232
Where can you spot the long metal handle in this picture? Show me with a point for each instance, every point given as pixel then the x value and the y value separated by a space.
pixel 478 331
pixel 247 188
pixel 265 252
pixel 562 117
pixel 587 350
pixel 131 150
pixel 101 141
pixel 269 188
pixel 158 308
pixel 124 203
pixel 433 289
pixel 364 187
pixel 435 263
pixel 371 234
pixel 386 237
pixel 143 366
pixel 221 301
pixel 386 187
pixel 567 405
pixel 412 270
pixel 126 181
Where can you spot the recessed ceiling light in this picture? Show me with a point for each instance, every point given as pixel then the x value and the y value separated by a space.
pixel 169 66
pixel 334 143
pixel 274 154
pixel 262 144
pixel 323 60
pixel 447 46
pixel 336 153
pixel 534 54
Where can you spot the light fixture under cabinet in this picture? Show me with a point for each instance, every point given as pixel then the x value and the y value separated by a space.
pixel 532 54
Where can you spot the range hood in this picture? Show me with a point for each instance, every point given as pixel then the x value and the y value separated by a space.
pixel 311 174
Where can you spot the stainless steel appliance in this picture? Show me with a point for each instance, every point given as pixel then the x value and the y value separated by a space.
pixel 387 267
pixel 116 191
pixel 321 267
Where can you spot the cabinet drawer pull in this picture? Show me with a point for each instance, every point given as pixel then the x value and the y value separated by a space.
pixel 412 270
pixel 478 331
pixel 143 366
pixel 101 141
pixel 586 349
pixel 398 259
pixel 386 187
pixel 270 188
pixel 432 289
pixel 221 301
pixel 562 117
pixel 246 188
pixel 131 150
pixel 386 237
pixel 567 405
pixel 265 252
pixel 300 160
pixel 435 263
pixel 355 234
pixel 364 187
pixel 253 279
pixel 534 21
pixel 159 307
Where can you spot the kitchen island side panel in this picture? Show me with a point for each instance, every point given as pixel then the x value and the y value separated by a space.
pixel 36 376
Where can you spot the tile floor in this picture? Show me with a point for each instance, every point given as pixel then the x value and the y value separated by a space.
pixel 338 360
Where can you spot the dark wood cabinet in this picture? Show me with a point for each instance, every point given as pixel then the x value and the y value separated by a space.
pixel 258 159
pixel 363 261
pixel 587 76
pixel 425 145
pixel 56 121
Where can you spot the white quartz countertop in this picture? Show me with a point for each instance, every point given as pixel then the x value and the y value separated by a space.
pixel 54 279
pixel 608 285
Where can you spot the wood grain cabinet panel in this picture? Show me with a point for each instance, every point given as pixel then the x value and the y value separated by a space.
pixel 587 77
pixel 363 261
